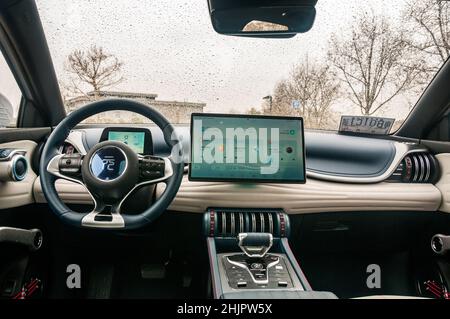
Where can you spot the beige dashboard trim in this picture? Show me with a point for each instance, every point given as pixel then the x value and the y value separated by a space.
pixel 444 182
pixel 312 197
pixel 15 194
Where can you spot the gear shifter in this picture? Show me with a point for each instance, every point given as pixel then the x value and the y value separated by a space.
pixel 255 245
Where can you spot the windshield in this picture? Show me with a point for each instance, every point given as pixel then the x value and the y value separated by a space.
pixel 360 58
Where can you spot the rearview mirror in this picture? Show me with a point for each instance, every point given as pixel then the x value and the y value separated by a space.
pixel 6 111
pixel 262 18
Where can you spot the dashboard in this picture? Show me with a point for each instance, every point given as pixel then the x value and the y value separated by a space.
pixel 328 156
pixel 344 173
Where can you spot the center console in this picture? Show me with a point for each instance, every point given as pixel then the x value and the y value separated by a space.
pixel 250 256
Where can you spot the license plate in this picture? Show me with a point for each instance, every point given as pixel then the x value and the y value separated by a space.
pixel 366 124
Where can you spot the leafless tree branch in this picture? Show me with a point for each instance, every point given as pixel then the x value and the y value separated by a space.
pixel 94 67
pixel 373 63
pixel 314 87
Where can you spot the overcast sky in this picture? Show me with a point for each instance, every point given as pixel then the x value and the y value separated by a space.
pixel 169 47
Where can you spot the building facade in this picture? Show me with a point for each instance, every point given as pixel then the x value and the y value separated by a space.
pixel 176 112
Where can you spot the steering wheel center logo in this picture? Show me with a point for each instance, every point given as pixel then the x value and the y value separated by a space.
pixel 108 163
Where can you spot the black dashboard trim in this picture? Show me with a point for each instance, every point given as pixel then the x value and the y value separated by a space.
pixel 319 145
pixel 352 156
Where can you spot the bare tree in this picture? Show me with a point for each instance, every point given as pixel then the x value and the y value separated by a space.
pixel 373 63
pixel 94 67
pixel 429 23
pixel 313 86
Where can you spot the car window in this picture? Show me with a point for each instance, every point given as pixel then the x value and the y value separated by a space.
pixel 10 96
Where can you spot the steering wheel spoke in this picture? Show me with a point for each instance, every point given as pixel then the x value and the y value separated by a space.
pixel 152 170
pixel 66 167
pixel 103 216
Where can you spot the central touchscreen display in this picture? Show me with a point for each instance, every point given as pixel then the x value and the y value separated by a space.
pixel 135 140
pixel 247 148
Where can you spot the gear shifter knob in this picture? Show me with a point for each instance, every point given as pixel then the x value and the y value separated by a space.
pixel 255 245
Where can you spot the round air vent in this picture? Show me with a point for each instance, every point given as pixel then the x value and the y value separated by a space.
pixel 13 165
pixel 19 168
pixel 419 167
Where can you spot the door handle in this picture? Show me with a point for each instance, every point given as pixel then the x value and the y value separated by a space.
pixel 440 244
pixel 31 238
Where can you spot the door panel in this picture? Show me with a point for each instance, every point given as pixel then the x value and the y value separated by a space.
pixel 15 194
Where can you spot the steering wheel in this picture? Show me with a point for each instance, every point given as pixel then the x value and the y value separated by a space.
pixel 111 170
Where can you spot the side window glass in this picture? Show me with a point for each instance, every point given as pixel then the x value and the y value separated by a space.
pixel 10 96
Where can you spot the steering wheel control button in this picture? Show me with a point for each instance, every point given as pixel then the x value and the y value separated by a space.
pixel 108 163
pixel 70 164
pixel 242 284
pixel 151 167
